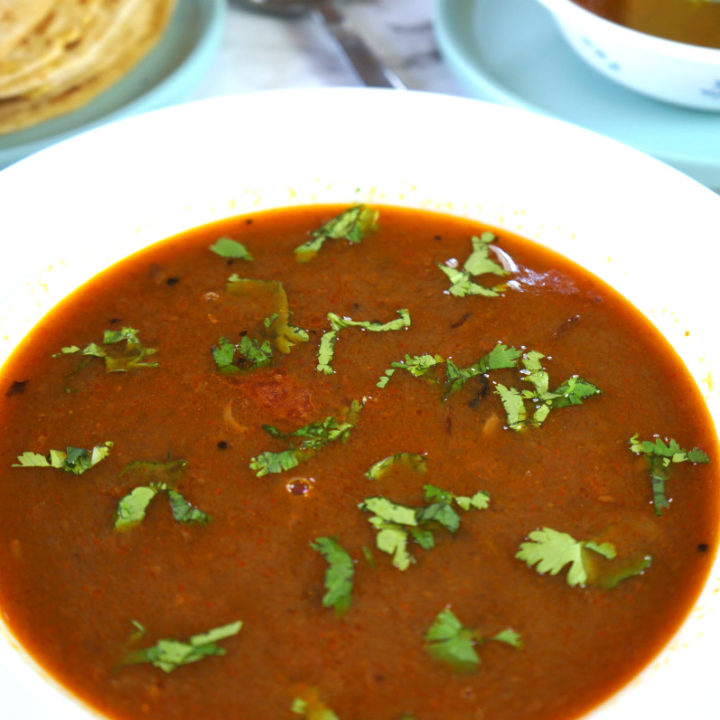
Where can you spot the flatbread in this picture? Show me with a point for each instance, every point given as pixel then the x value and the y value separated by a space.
pixel 81 40
pixel 48 42
pixel 17 18
pixel 126 40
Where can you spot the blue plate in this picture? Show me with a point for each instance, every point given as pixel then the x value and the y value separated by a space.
pixel 162 78
pixel 511 52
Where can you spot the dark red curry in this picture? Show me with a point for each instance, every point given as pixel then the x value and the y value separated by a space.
pixel 536 412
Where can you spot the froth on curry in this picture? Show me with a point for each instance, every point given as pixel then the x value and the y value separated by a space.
pixel 350 463
pixel 57 55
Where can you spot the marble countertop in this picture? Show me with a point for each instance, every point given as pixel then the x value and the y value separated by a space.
pixel 262 52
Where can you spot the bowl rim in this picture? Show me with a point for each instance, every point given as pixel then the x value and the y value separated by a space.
pixel 574 14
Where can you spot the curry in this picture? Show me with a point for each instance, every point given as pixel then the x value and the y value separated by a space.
pixel 696 22
pixel 350 464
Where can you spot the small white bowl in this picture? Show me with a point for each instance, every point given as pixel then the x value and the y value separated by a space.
pixel 675 72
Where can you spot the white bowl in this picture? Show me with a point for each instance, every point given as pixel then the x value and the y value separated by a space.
pixel 638 224
pixel 678 73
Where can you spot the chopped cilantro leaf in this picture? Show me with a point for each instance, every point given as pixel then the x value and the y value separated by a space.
pixel 326 349
pixel 158 477
pixel 256 353
pixel 270 319
pixel 351 225
pixel 660 455
pixel 226 247
pixel 416 365
pixel 309 705
pixel 573 391
pixel 478 262
pixel 542 400
pixel 397 524
pixel 550 551
pixel 248 354
pixel 339 574
pixel 499 358
pixel 413 461
pixel 479 501
pixel 275 462
pixel 313 437
pixel 133 357
pixel 224 354
pixel 183 511
pixel 448 641
pixel 315 434
pixel 73 460
pixel 132 508
pixel 168 654
pixel 514 406
pixel 392 521
pixel 441 513
pixel 393 540
pixel 389 511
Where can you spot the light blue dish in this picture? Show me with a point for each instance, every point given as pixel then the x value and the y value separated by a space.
pixel 511 52
pixel 162 78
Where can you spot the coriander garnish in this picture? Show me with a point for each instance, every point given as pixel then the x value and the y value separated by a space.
pixel 72 460
pixel 551 550
pixel 169 654
pixel 351 225
pixel 416 365
pixel 310 706
pixel 231 249
pixel 398 524
pixel 479 501
pixel 304 442
pixel 326 349
pixel 339 574
pixel 660 455
pixel 132 358
pixel 542 400
pixel 132 508
pixel 248 354
pixel 450 642
pixel 500 357
pixel 478 263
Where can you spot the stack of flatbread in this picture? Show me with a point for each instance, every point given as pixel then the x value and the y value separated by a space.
pixel 57 55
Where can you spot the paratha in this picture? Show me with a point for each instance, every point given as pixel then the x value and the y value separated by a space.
pixel 17 18
pixel 115 39
pixel 55 39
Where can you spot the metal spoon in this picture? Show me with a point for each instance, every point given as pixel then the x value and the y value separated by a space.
pixel 367 66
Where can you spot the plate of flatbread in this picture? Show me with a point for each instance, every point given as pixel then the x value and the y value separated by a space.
pixel 66 65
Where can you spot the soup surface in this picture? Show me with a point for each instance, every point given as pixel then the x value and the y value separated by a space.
pixel 689 21
pixel 410 470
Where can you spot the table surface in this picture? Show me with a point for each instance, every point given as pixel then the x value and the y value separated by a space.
pixel 262 52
